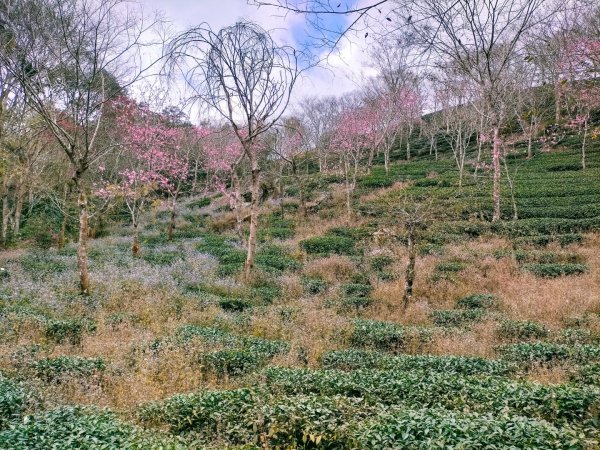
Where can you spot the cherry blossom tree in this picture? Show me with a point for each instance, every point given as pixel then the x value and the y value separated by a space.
pixel 148 161
pixel 223 155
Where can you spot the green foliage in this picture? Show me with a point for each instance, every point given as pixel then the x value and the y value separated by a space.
pixel 14 399
pixel 162 257
pixel 450 266
pixel 456 317
pixel 232 362
pixel 199 203
pixel 234 304
pixel 276 227
pixel 78 427
pixel 273 258
pixel 70 330
pixel 355 302
pixel 423 389
pixel 521 330
pixel 354 233
pixel 379 263
pixel 314 286
pixel 50 369
pixel 40 265
pixel 546 257
pixel 549 353
pixel 477 301
pixel 441 429
pixel 372 334
pixel 356 289
pixel 360 359
pixel 327 245
pixel 555 270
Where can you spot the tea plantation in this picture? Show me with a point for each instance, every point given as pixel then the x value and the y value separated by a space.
pixel 499 348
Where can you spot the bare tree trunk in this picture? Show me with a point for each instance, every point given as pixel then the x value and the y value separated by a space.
pixel 585 130
pixel 512 191
pixel 386 160
pixel 530 140
pixel 300 190
pixel 410 270
pixel 557 100
pixel 18 210
pixel 237 206
pixel 497 174
pixel 370 161
pixel 63 224
pixel 249 266
pixel 171 226
pixel 135 248
pixel 82 256
pixel 5 216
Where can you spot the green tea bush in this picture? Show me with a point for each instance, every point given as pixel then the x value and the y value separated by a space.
pixel 546 257
pixel 355 303
pixel 431 429
pixel 450 266
pixel 79 427
pixel 478 301
pixel 232 362
pixel 555 270
pixel 372 334
pixel 549 353
pixel 356 289
pixel 381 262
pixel 234 304
pixel 199 203
pixel 162 257
pixel 70 331
pixel 51 369
pixel 273 258
pixel 313 285
pixel 42 265
pixel 355 233
pixel 227 414
pixel 456 317
pixel 360 359
pixel 14 399
pixel 572 336
pixel 521 330
pixel 327 245
pixel 423 389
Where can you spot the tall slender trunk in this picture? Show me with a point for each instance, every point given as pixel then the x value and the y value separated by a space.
pixel 496 149
pixel 530 139
pixel 557 100
pixel 512 191
pixel 410 270
pixel 249 266
pixel 300 189
pixel 585 130
pixel 135 248
pixel 63 224
pixel 386 159
pixel 237 206
pixel 370 161
pixel 5 216
pixel 171 227
pixel 82 256
pixel 18 209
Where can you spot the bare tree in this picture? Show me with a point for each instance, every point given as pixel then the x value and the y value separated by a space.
pixel 246 78
pixel 70 57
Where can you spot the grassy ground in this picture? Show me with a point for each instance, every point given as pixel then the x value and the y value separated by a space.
pixel 500 347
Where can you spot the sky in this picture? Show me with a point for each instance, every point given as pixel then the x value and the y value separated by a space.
pixel 342 73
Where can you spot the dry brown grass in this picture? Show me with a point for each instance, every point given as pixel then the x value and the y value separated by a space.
pixel 332 269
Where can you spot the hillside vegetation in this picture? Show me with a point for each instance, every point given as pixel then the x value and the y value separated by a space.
pixel 499 346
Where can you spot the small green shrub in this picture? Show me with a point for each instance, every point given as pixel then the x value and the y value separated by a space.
pixel 549 353
pixel 14 400
pixel 199 203
pixel 82 428
pixel 356 289
pixel 327 245
pixel 355 302
pixel 450 266
pixel 314 286
pixel 456 317
pixel 232 362
pixel 477 301
pixel 50 369
pixel 71 331
pixel 555 270
pixel 372 334
pixel 521 329
pixel 162 258
pixel 275 258
pixel 234 304
pixel 355 233
pixel 42 265
pixel 379 263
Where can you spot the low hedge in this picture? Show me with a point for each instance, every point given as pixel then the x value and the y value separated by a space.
pixel 327 245
pixel 555 270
